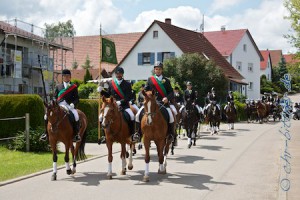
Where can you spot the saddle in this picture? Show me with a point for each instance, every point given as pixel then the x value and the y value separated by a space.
pixel 70 116
pixel 163 111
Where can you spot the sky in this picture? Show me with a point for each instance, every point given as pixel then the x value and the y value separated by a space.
pixel 263 18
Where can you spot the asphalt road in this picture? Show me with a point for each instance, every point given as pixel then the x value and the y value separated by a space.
pixel 236 164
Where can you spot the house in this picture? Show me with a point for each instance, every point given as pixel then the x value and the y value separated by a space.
pixel 276 56
pixel 266 65
pixel 164 40
pixel 20 51
pixel 291 59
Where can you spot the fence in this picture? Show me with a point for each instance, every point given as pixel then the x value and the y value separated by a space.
pixel 27 123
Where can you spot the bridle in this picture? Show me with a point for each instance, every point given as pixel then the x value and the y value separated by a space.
pixel 58 120
pixel 110 121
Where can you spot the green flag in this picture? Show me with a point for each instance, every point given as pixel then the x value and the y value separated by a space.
pixel 109 51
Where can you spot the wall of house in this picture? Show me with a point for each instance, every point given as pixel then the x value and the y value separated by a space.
pixel 134 71
pixel 250 56
pixel 31 81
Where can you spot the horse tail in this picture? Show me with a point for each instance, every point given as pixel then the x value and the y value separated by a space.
pixel 80 153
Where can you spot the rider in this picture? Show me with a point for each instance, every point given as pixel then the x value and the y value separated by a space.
pixel 141 96
pixel 178 96
pixel 213 98
pixel 230 99
pixel 206 101
pixel 122 92
pixel 164 94
pixel 190 95
pixel 66 95
pixel 133 100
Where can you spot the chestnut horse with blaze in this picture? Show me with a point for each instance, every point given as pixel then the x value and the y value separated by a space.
pixel 154 127
pixel 60 129
pixel 116 130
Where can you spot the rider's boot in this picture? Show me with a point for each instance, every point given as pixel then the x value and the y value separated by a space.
pixel 138 133
pixel 44 136
pixel 170 132
pixel 77 137
pixel 131 125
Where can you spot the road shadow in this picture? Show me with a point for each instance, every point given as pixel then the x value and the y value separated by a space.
pixel 227 133
pixel 188 180
pixel 87 178
pixel 210 147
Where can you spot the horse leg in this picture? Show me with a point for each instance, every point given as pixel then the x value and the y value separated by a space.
pixel 110 159
pixel 161 159
pixel 74 158
pixel 130 165
pixel 67 159
pixel 54 153
pixel 195 133
pixel 123 158
pixel 147 160
pixel 188 131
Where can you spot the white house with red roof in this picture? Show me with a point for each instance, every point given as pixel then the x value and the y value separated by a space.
pixel 266 65
pixel 240 50
pixel 164 40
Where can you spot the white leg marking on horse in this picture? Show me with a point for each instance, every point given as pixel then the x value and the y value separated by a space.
pixel 123 163
pixel 67 165
pixel 104 115
pixel 189 140
pixel 165 162
pixel 161 167
pixel 147 169
pixel 54 167
pixel 109 171
pixel 149 110
pixel 130 157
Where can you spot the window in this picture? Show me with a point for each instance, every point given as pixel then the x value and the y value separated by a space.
pixel 146 58
pixel 250 67
pixel 155 34
pixel 250 86
pixel 239 65
pixel 162 56
pixel 245 48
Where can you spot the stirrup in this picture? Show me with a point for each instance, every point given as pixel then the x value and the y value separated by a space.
pixel 77 138
pixel 135 137
pixel 44 137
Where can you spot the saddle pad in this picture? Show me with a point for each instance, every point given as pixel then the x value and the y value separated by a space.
pixel 126 116
pixel 165 113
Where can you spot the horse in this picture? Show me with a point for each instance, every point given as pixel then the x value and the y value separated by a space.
pixel 154 127
pixel 213 117
pixel 60 129
pixel 116 130
pixel 251 112
pixel 230 113
pixel 190 122
pixel 261 111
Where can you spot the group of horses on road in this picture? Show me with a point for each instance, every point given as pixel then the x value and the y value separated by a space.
pixel 153 125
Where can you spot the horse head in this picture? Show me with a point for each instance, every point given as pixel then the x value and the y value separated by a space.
pixel 55 114
pixel 150 105
pixel 109 109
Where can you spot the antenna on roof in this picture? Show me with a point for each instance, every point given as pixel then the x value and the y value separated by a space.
pixel 202 25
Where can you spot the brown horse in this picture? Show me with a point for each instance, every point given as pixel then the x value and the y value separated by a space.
pixel 60 129
pixel 230 113
pixel 116 130
pixel 154 127
pixel 262 111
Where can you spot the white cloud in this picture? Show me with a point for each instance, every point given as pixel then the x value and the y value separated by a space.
pixel 222 5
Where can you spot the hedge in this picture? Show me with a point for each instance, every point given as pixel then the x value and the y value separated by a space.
pixel 16 106
pixel 90 109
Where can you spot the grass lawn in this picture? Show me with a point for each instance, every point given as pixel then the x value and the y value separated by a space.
pixel 14 164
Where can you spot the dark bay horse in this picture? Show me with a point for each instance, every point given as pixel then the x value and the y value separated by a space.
pixel 262 111
pixel 154 127
pixel 116 130
pixel 213 117
pixel 251 112
pixel 190 122
pixel 230 113
pixel 60 130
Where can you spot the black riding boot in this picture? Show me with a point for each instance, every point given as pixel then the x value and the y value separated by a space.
pixel 77 137
pixel 44 136
pixel 138 133
pixel 131 130
pixel 171 134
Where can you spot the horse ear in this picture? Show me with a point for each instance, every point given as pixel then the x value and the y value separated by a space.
pixel 103 99
pixel 111 99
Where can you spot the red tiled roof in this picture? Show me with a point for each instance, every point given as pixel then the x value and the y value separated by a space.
pixel 275 57
pixel 226 41
pixel 194 42
pixel 264 63
pixel 90 45
pixel 291 59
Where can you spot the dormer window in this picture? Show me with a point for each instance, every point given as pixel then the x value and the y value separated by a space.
pixel 155 34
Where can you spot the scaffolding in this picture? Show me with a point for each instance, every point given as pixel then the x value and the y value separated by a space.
pixel 16 34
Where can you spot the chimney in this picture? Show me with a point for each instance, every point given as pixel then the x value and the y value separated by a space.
pixel 223 28
pixel 168 21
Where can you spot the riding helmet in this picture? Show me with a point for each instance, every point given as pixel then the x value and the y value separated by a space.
pixel 66 72
pixel 119 70
pixel 158 64
pixel 188 83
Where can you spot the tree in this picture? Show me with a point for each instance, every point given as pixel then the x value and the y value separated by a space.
pixel 293 7
pixel 203 73
pixel 87 63
pixel 282 67
pixel 75 65
pixel 87 76
pixel 62 29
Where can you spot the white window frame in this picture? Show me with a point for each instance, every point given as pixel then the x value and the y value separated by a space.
pixel 239 65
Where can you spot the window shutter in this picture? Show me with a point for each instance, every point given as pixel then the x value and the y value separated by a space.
pixel 140 59
pixel 172 54
pixel 159 56
pixel 152 55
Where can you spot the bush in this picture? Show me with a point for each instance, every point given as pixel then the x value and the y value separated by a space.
pixel 84 90
pixel 77 82
pixel 241 114
pixel 36 145
pixel 16 106
pixel 137 86
pixel 93 135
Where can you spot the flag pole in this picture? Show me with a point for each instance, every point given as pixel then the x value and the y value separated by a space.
pixel 99 100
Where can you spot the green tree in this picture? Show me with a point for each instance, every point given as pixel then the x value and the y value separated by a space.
pixel 282 67
pixel 87 76
pixel 62 29
pixel 203 73
pixel 293 7
pixel 87 63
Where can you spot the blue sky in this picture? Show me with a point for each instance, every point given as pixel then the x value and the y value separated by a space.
pixel 263 18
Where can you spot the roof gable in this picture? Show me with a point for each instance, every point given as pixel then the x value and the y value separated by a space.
pixel 266 56
pixel 275 57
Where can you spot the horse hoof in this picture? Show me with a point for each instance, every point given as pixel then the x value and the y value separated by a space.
pixel 109 176
pixel 130 167
pixel 172 152
pixel 123 172
pixel 146 179
pixel 134 151
pixel 69 171
pixel 162 172
pixel 189 146
pixel 73 171
pixel 127 154
pixel 53 177
pixel 194 144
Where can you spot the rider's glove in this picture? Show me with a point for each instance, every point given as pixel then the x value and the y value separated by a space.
pixel 118 103
pixel 100 88
pixel 72 105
